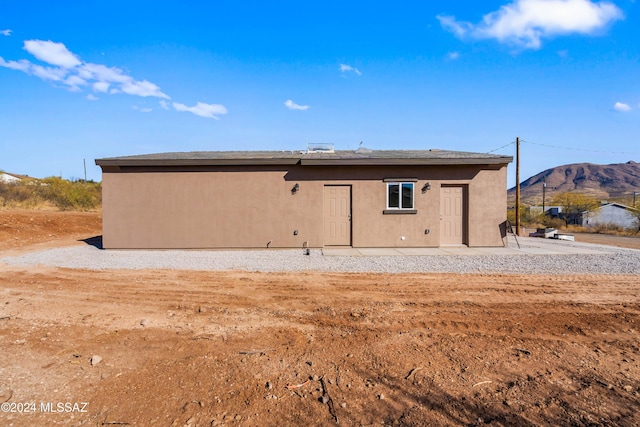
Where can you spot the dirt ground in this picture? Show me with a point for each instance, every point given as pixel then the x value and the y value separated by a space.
pixel 631 242
pixel 176 348
pixel 33 229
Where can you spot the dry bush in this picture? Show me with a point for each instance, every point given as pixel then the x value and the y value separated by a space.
pixel 606 228
pixel 19 195
pixel 556 223
pixel 61 193
pixel 68 195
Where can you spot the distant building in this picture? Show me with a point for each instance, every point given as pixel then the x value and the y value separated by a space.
pixel 556 212
pixel 610 214
pixel 550 211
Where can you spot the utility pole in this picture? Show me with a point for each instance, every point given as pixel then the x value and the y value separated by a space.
pixel 634 198
pixel 85 169
pixel 518 186
pixel 544 194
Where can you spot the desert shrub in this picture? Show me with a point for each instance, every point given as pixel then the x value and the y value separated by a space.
pixel 61 193
pixel 18 195
pixel 606 228
pixel 572 228
pixel 70 195
pixel 511 215
pixel 529 218
pixel 556 223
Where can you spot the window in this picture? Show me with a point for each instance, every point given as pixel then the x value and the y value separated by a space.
pixel 400 195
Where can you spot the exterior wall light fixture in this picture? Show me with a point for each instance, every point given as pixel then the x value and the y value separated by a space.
pixel 426 187
pixel 295 188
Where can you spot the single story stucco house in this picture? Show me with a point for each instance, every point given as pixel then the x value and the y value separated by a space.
pixel 298 199
pixel 610 214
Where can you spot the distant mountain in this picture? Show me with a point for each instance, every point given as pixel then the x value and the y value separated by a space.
pixel 600 181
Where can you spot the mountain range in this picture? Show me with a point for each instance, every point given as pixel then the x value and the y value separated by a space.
pixel 615 181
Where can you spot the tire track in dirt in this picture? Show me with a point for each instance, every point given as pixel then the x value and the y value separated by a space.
pixel 506 349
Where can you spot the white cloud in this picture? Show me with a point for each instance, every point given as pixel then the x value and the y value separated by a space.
pixel 48 73
pixel 293 106
pixel 460 29
pixel 345 68
pixel 103 73
pixel 620 106
pixel 142 88
pixel 45 73
pixel 101 87
pixel 52 53
pixel 525 23
pixel 142 109
pixel 21 65
pixel 6 32
pixel 452 56
pixel 106 76
pixel 211 111
pixel 74 82
pixel 68 70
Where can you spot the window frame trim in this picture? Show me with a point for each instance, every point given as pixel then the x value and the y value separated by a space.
pixel 400 208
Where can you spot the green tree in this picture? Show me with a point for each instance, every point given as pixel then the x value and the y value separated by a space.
pixel 573 204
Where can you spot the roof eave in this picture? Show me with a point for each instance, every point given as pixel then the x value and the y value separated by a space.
pixel 405 162
pixel 194 162
pixel 326 161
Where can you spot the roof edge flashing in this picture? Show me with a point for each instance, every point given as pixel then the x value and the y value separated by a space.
pixel 341 158
pixel 195 162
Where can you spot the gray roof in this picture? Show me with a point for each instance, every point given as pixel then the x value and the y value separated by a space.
pixel 339 157
pixel 618 205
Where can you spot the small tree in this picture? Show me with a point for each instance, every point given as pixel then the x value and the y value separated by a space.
pixel 573 204
pixel 636 221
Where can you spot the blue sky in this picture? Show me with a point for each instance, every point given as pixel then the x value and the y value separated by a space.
pixel 84 80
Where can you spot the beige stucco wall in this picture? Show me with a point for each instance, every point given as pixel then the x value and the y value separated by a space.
pixel 252 207
pixel 487 207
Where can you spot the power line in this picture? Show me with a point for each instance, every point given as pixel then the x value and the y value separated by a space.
pixel 577 149
pixel 565 148
pixel 500 148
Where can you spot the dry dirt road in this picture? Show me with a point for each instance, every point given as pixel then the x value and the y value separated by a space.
pixel 235 348
pixel 631 242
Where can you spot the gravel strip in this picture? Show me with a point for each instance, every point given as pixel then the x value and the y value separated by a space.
pixel 608 260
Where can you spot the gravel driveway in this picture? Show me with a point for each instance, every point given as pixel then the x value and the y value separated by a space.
pixel 532 258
